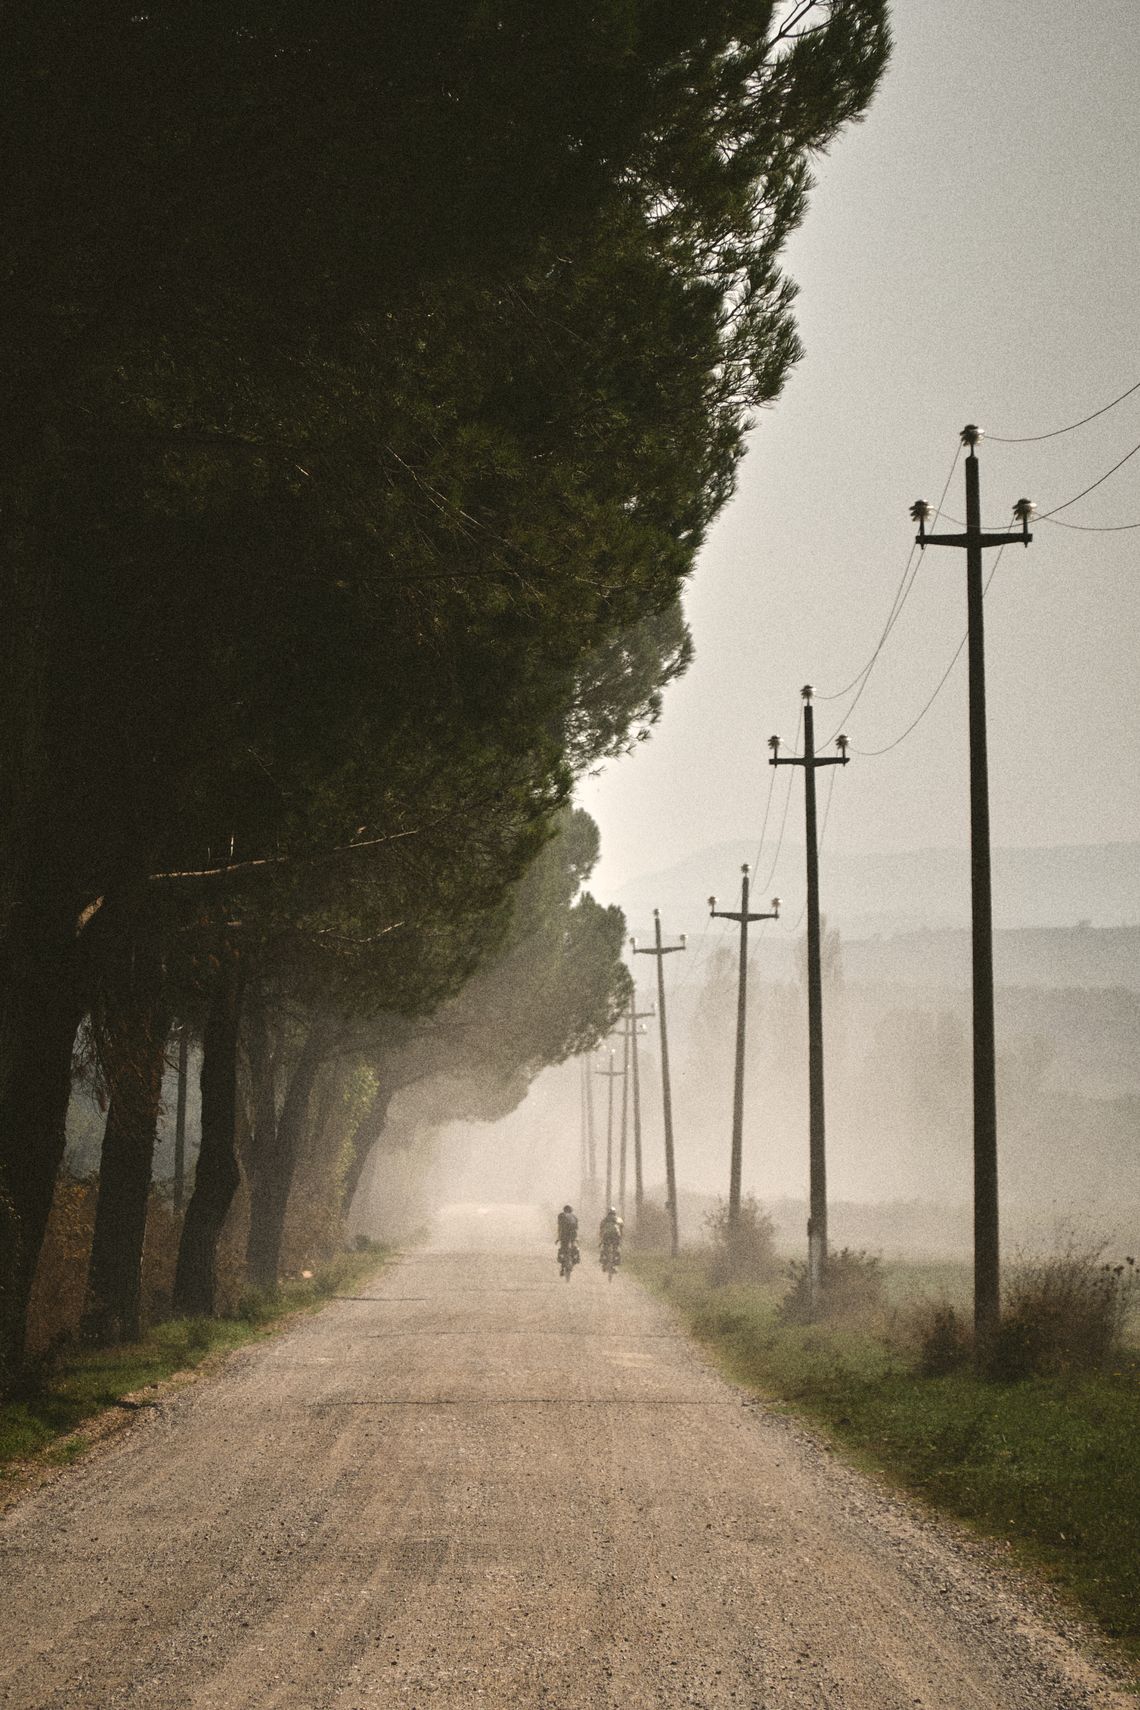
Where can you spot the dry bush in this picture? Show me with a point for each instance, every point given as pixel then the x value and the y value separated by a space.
pixel 852 1290
pixel 314 1225
pixel 229 1269
pixel 650 1230
pixel 61 1276
pixel 160 1256
pixel 941 1338
pixel 744 1251
pixel 1066 1312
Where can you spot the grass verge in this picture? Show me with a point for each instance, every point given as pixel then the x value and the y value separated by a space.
pixel 77 1384
pixel 1049 1465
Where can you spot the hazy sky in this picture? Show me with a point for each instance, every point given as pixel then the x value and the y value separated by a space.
pixel 970 254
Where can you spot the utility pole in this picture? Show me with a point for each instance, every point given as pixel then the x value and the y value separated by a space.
pixel 624 1117
pixel 987 1268
pixel 817 1149
pixel 611 1074
pixel 742 915
pixel 180 1119
pixel 661 951
pixel 583 1152
pixel 635 1015
pixel 591 1143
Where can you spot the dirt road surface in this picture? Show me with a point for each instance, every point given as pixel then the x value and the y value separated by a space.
pixel 476 1485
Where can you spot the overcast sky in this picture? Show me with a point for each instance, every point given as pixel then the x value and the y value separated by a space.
pixel 970 254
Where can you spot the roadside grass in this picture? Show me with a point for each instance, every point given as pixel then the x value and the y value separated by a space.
pixel 74 1384
pixel 1050 1465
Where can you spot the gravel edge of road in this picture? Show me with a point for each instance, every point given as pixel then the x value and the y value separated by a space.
pixel 22 1479
pixel 1019 1577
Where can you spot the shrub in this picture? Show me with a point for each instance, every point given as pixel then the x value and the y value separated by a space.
pixel 257 1305
pixel 1064 1313
pixel 652 1231
pixel 852 1288
pixel 944 1340
pixel 56 1305
pixel 744 1251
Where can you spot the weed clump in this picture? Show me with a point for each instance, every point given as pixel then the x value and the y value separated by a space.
pixel 944 1340
pixel 744 1251
pixel 1065 1313
pixel 852 1290
pixel 257 1305
pixel 651 1231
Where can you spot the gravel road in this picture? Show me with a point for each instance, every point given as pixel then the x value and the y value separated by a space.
pixel 478 1485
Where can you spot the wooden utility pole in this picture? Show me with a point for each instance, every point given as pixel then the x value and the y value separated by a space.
pixel 591 1143
pixel 661 951
pixel 180 1119
pixel 987 1255
pixel 742 915
pixel 611 1074
pixel 634 1015
pixel 624 1118
pixel 583 1149
pixel 817 1148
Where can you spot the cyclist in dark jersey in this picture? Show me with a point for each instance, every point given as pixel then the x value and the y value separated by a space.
pixel 568 1234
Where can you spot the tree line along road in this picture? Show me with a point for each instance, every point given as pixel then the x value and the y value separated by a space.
pixel 478 1485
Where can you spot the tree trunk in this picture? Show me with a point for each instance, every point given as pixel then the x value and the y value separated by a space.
pixel 260 1129
pixel 217 1176
pixel 269 1189
pixel 365 1136
pixel 41 1015
pixel 134 1046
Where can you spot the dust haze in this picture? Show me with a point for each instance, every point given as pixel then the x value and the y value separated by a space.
pixel 897 1032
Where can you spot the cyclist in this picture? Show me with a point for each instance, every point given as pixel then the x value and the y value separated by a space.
pixel 610 1231
pixel 568 1235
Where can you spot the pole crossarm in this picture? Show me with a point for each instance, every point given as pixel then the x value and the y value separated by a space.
pixel 810 760
pixel 730 914
pixel 982 538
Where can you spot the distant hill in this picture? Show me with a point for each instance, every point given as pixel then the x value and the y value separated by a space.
pixel 912 892
pixel 1025 956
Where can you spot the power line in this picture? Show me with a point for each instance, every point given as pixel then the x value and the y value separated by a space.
pixel 707 951
pixel 1044 516
pixel 1090 528
pixel 1035 438
pixel 826 812
pixel 902 594
pixel 767 811
pixel 700 960
pixel 787 804
pixel 794 928
pixel 873 753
